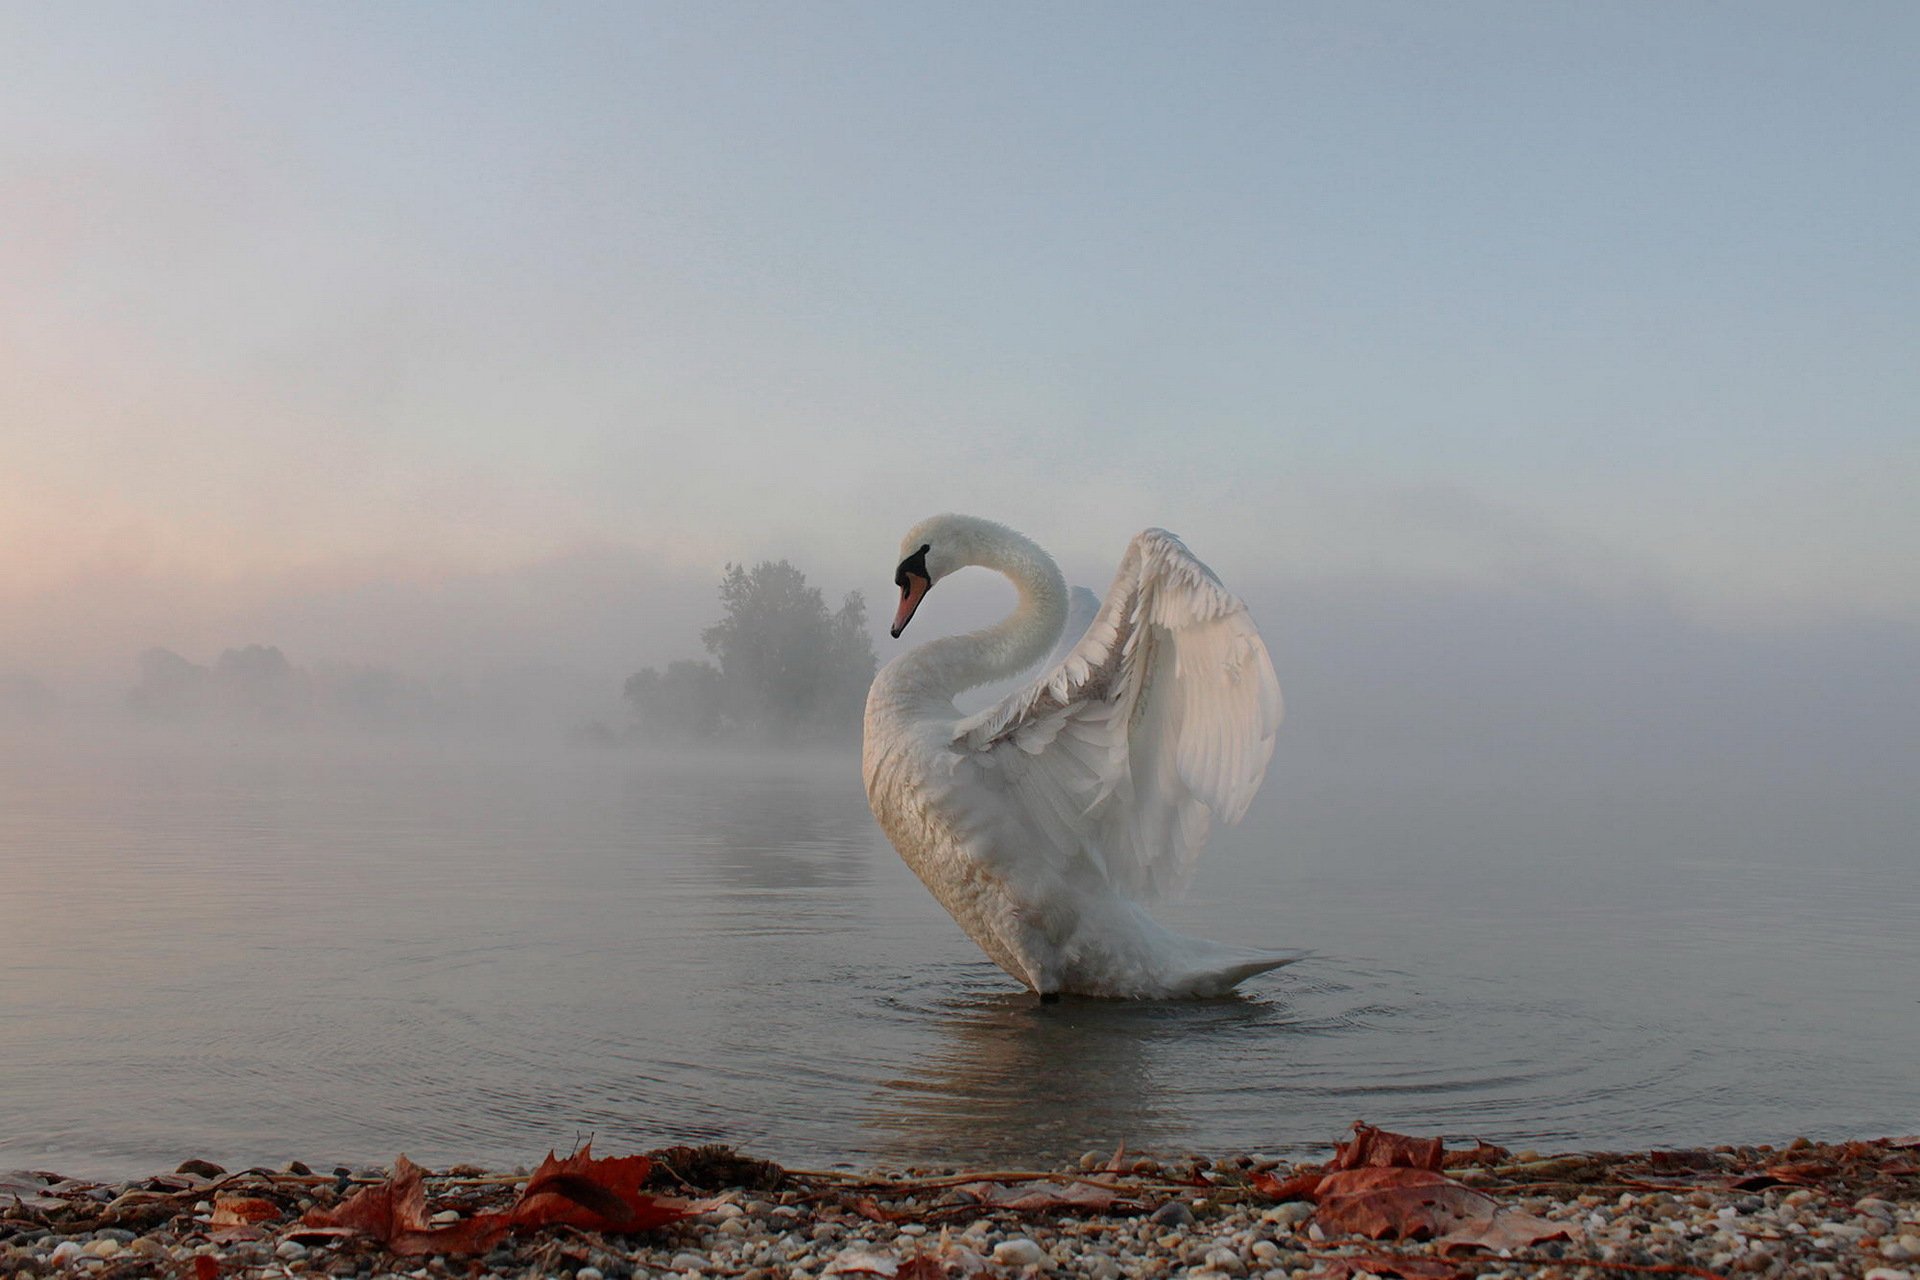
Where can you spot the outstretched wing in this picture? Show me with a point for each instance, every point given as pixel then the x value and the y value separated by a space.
pixel 1160 720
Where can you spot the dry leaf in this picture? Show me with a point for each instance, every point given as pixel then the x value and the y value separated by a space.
pixel 1397 1203
pixel 1372 1148
pixel 1042 1197
pixel 596 1195
pixel 231 1211
pixel 1483 1155
pixel 1505 1229
pixel 1301 1186
pixel 394 1213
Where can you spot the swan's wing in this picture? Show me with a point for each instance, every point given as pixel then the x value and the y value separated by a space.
pixel 1159 720
pixel 1082 605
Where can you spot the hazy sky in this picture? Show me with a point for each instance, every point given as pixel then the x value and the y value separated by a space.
pixel 340 324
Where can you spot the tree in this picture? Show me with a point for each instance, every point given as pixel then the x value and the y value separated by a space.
pixel 680 705
pixel 788 670
pixel 170 687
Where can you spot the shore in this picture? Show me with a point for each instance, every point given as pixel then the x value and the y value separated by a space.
pixel 1383 1205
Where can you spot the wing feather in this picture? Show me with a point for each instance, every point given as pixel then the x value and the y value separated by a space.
pixel 1159 721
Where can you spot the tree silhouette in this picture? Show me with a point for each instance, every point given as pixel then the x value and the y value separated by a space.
pixel 789 670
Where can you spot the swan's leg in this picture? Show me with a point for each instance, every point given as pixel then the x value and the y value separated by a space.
pixel 1049 997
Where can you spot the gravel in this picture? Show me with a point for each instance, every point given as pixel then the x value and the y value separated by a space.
pixel 1811 1209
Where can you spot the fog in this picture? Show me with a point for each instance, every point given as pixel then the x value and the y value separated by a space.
pixel 1546 686
pixel 1546 387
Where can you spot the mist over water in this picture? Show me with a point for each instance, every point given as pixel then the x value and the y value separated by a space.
pixel 265 949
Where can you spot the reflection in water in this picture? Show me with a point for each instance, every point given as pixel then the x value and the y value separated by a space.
pixel 788 829
pixel 1012 1078
pixel 254 952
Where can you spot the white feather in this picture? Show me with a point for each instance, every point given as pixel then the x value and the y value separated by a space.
pixel 1045 822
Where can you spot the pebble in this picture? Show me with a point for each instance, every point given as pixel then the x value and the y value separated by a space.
pixel 1018 1252
pixel 1223 1234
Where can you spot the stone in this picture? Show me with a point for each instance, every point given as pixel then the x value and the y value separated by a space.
pixel 1174 1213
pixel 1018 1252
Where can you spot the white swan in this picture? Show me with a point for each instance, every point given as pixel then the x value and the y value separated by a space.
pixel 1044 822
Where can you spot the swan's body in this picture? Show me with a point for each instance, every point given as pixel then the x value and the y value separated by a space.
pixel 1045 822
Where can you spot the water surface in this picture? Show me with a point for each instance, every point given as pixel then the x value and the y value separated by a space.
pixel 265 950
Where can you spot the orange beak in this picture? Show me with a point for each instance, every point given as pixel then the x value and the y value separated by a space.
pixel 911 594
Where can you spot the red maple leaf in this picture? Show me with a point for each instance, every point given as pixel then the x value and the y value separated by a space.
pixel 579 1191
pixel 596 1195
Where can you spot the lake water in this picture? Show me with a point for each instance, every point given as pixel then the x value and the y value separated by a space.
pixel 266 950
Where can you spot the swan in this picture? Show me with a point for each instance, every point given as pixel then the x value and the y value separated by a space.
pixel 1046 822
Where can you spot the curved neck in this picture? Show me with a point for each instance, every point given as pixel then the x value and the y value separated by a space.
pixel 953 664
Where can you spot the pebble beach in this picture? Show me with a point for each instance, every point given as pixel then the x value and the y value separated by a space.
pixel 1803 1209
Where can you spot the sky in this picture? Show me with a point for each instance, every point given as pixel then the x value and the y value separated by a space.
pixel 443 334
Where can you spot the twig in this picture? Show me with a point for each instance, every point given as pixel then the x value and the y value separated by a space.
pixel 1647 1268
pixel 854 1182
pixel 1530 1259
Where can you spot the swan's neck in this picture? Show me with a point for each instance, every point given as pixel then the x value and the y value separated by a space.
pixel 954 664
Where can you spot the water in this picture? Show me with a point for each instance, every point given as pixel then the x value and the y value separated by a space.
pixel 260 951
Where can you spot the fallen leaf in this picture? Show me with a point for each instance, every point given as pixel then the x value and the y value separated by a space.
pixel 869 1208
pixel 1374 1148
pixel 394 1213
pixel 1785 1175
pixel 1301 1186
pixel 238 1210
pixel 1505 1229
pixel 1042 1197
pixel 205 1267
pixel 1396 1203
pixel 579 1191
pixel 597 1195
pixel 1483 1155
pixel 28 1191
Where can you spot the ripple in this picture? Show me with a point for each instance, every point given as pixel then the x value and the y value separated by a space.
pixel 467 961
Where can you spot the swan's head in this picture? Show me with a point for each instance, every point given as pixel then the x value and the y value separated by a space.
pixel 933 549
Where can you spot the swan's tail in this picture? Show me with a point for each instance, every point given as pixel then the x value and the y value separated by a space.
pixel 1227 967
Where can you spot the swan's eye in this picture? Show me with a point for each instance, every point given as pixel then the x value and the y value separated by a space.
pixel 915 564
